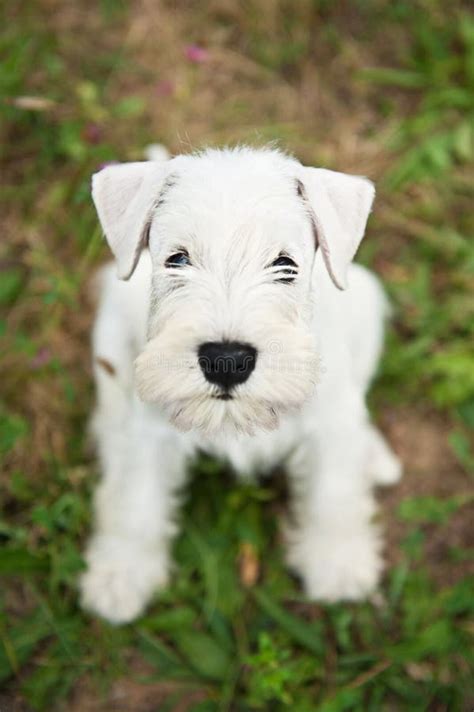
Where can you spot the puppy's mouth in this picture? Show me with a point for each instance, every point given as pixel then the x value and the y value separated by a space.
pixel 224 397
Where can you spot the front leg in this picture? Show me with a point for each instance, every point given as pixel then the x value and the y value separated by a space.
pixel 143 464
pixel 334 544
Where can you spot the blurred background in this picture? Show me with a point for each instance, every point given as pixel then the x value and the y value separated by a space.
pixel 380 88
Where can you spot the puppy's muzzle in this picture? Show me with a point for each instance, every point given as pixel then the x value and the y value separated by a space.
pixel 226 363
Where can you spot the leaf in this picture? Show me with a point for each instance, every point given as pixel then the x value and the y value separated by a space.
pixel 464 142
pixel 398 578
pixel 130 106
pixel 306 634
pixel 437 639
pixel 172 619
pixel 12 428
pixel 10 285
pixel 21 561
pixel 461 599
pixel 202 652
pixel 466 412
pixel 207 706
pixel 454 374
pixel 461 446
pixel 49 681
pixel 19 642
pixel 162 657
pixel 345 699
pixel 393 77
pixel 430 509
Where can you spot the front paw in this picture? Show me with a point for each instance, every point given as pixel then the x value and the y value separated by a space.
pixel 121 578
pixel 337 566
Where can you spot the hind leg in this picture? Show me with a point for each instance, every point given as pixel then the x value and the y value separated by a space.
pixel 383 466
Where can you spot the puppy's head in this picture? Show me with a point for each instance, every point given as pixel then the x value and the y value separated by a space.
pixel 232 236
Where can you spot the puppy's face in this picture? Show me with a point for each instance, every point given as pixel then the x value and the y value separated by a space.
pixel 230 334
pixel 229 337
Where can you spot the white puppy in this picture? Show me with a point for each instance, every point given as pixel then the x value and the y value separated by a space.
pixel 233 335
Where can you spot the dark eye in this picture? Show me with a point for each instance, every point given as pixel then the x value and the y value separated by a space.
pixel 285 269
pixel 283 261
pixel 179 259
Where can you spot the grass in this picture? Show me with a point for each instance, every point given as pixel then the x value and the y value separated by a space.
pixel 83 84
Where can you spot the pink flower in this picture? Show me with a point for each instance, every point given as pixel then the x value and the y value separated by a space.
pixel 196 54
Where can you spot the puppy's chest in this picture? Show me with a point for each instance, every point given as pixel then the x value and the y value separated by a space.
pixel 249 455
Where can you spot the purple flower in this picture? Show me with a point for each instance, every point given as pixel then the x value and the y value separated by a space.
pixel 41 358
pixel 196 54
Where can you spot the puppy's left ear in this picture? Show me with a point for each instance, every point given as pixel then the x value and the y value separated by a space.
pixel 339 206
pixel 125 196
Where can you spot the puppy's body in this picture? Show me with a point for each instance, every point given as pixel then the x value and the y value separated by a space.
pixel 126 304
pixel 305 332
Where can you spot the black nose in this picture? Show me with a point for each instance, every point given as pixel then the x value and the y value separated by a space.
pixel 227 363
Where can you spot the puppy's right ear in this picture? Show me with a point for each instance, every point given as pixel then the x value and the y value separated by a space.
pixel 125 196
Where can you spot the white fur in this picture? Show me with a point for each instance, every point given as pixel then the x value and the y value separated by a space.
pixel 234 211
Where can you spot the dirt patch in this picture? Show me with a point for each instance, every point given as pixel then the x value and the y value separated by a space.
pixel 420 439
pixel 136 693
pixel 127 695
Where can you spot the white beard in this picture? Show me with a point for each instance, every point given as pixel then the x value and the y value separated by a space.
pixel 168 374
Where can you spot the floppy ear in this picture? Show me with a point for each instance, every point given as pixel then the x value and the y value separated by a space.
pixel 125 196
pixel 339 206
